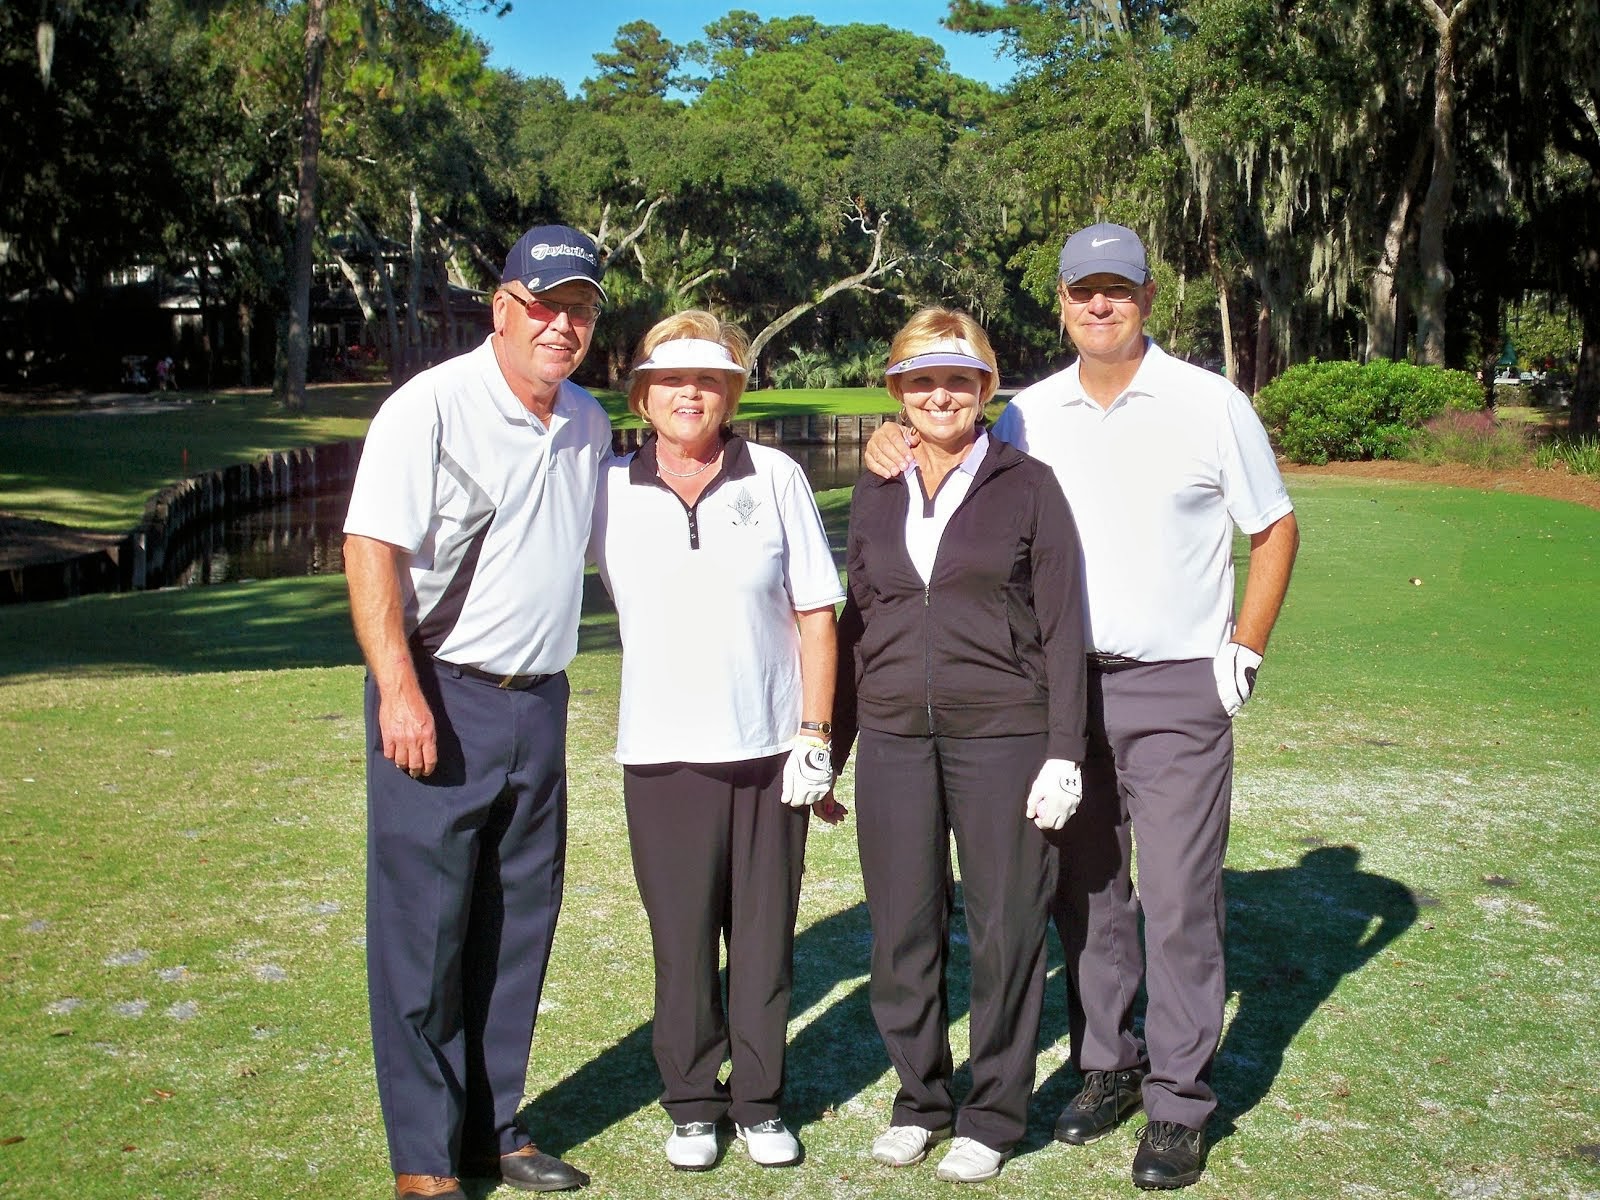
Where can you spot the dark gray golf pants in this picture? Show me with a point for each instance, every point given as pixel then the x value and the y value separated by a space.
pixel 1159 774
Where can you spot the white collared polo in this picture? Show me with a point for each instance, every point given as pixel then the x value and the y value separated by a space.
pixel 706 601
pixel 493 507
pixel 1156 482
pixel 926 518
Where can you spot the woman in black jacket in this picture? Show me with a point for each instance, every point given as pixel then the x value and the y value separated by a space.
pixel 962 667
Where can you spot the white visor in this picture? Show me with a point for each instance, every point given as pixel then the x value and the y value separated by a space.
pixel 946 352
pixel 690 354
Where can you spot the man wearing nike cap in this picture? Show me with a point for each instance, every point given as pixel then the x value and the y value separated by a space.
pixel 1160 461
pixel 464 549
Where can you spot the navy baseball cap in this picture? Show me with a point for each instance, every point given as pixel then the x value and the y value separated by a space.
pixel 1104 249
pixel 549 255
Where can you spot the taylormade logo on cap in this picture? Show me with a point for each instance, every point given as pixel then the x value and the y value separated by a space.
pixel 550 255
pixel 1104 249
pixel 544 250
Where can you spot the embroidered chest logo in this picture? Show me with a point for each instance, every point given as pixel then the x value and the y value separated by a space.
pixel 743 507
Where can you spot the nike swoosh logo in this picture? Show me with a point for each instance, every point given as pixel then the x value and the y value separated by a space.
pixel 1098 242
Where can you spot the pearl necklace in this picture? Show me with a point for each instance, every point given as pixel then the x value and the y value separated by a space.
pixel 700 470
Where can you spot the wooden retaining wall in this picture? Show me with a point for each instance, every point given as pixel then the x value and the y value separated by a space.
pixel 811 430
pixel 149 556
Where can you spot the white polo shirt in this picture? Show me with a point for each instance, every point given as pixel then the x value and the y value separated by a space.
pixel 926 519
pixel 1156 483
pixel 493 507
pixel 706 600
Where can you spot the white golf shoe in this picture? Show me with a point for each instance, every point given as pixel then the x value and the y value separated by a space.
pixel 693 1147
pixel 770 1144
pixel 969 1161
pixel 906 1145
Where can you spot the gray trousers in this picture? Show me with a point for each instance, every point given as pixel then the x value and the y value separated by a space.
pixel 1159 774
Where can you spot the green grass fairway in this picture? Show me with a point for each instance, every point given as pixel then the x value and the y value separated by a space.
pixel 1413 883
pixel 97 467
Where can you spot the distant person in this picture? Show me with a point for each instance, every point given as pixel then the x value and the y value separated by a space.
pixel 1160 462
pixel 465 549
pixel 713 549
pixel 962 665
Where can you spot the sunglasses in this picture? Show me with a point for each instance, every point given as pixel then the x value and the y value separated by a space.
pixel 545 311
pixel 1082 293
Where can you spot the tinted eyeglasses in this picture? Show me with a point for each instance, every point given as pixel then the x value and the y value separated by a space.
pixel 1082 293
pixel 545 311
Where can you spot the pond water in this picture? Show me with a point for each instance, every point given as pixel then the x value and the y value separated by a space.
pixel 305 536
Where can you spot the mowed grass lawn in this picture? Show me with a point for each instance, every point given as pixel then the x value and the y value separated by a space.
pixel 1414 959
pixel 97 467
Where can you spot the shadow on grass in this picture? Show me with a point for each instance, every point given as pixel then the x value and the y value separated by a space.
pixel 271 625
pixel 826 1063
pixel 267 625
pixel 834 1058
pixel 1293 934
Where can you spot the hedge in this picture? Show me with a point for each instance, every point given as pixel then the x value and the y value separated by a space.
pixel 1323 411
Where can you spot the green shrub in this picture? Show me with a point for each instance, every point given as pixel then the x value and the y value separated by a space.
pixel 1322 411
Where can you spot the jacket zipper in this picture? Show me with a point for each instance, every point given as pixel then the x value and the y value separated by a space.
pixel 927 655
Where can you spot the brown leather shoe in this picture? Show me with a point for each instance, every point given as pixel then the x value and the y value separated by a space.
pixel 435 1187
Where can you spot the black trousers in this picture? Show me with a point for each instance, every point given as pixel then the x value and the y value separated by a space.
pixel 464 879
pixel 1159 774
pixel 717 856
pixel 912 793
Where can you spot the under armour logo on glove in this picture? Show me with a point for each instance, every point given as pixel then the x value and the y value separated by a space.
pixel 1055 793
pixel 1235 669
pixel 808 775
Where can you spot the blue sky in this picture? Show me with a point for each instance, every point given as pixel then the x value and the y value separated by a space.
pixel 560 40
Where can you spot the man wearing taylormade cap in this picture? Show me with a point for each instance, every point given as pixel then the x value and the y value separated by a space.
pixel 464 548
pixel 1160 460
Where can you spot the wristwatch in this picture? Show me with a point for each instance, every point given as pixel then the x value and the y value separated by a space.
pixel 823 729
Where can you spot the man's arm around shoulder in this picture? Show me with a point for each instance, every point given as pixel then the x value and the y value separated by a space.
pixel 377 609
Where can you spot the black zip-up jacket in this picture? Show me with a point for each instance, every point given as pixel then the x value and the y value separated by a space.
pixel 994 644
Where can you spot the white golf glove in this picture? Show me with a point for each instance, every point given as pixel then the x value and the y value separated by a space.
pixel 808 775
pixel 1235 668
pixel 1055 793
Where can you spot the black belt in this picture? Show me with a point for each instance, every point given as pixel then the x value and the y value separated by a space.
pixel 1113 662
pixel 515 683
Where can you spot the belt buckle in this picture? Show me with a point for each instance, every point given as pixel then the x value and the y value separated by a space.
pixel 507 681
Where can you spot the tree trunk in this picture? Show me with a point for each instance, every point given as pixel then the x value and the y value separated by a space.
pixel 1263 346
pixel 1383 325
pixel 1435 212
pixel 1581 419
pixel 414 353
pixel 358 285
pixel 305 223
pixel 246 318
pixel 1230 364
pixel 448 332
pixel 396 351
